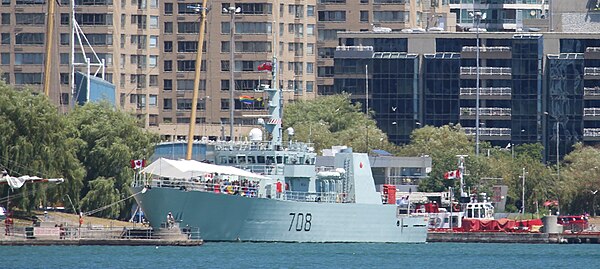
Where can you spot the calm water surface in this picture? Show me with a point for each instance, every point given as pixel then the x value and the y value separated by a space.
pixel 282 255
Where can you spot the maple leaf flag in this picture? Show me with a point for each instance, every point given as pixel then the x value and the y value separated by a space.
pixel 137 164
pixel 266 66
pixel 452 174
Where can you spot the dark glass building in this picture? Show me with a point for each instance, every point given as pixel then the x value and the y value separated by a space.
pixel 530 84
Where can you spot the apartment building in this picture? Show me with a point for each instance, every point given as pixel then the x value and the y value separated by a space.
pixel 372 15
pixel 534 87
pixel 501 15
pixel 149 48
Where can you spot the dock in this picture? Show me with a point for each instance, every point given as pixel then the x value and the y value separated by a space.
pixel 518 237
pixel 99 242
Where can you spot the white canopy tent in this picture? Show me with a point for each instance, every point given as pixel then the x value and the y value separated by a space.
pixel 190 168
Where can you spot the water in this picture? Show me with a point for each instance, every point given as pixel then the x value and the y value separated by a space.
pixel 287 255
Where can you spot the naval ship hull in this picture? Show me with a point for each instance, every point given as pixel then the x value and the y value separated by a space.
pixel 222 217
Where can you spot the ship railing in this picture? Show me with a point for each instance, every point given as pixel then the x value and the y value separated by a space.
pixel 262 169
pixel 224 187
pixel 319 197
pixel 262 146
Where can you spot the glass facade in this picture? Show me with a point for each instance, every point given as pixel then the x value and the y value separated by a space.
pixel 441 89
pixel 565 74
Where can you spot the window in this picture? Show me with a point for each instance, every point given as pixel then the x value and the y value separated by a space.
pixel 153 61
pixel 167 85
pixel 296 10
pixel 64 39
pixel 224 104
pixel 139 20
pixel 390 16
pixel 28 58
pixel 5 38
pixel 6 18
pixel 28 78
pixel 225 27
pixel 94 19
pixel 364 15
pixel 310 49
pixel 225 46
pixel 310 11
pixel 168 27
pixel 30 18
pixel 153 22
pixel 29 39
pixel 64 78
pixel 333 16
pixel 186 65
pixel 187 46
pixel 167 104
pixel 188 27
pixel 64 98
pixel 256 8
pixel 64 19
pixel 188 85
pixel 328 34
pixel 168 8
pixel 310 68
pixel 168 46
pixel 224 65
pixel 5 58
pixel 152 100
pixel 168 66
pixel 253 46
pixel 225 85
pixel 153 41
pixel 153 82
pixel 310 86
pixel 310 29
pixel 252 27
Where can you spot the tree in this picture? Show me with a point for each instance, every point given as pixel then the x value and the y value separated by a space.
pixel 103 193
pixel 35 140
pixel 580 177
pixel 333 120
pixel 108 140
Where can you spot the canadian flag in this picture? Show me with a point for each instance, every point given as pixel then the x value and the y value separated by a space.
pixel 452 174
pixel 137 164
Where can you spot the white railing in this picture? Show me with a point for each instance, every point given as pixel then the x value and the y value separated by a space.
pixel 500 71
pixel 588 91
pixel 591 71
pixel 485 111
pixel 592 111
pixel 488 131
pixel 592 49
pixel 319 197
pixel 354 48
pixel 591 132
pixel 494 91
pixel 485 49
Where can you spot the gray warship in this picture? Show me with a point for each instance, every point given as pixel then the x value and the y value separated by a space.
pixel 284 198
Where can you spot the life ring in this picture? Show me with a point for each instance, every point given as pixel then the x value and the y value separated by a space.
pixel 456 208
pixel 209 175
pixel 230 189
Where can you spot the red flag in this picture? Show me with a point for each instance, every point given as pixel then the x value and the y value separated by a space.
pixel 265 66
pixel 452 174
pixel 137 164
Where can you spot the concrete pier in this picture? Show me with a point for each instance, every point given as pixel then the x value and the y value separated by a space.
pixel 524 238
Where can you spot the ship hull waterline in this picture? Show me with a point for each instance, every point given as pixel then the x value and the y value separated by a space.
pixel 222 217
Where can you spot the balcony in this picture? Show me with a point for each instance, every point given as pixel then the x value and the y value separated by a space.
pixel 592 53
pixel 487 91
pixel 591 132
pixel 487 111
pixel 591 71
pixel 591 112
pixel 486 71
pixel 487 52
pixel 487 131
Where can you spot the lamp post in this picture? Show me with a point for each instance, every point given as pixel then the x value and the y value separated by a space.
pixel 523 193
pixel 232 10
pixel 477 16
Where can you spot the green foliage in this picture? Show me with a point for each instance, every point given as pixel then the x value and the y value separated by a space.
pixel 102 192
pixel 91 148
pixel 579 178
pixel 109 139
pixel 333 120
pixel 35 140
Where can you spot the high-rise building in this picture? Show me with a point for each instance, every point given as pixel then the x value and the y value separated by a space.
pixel 500 15
pixel 149 48
pixel 533 86
pixel 373 15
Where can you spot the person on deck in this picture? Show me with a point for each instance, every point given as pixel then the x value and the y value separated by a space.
pixel 170 220
pixel 278 189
